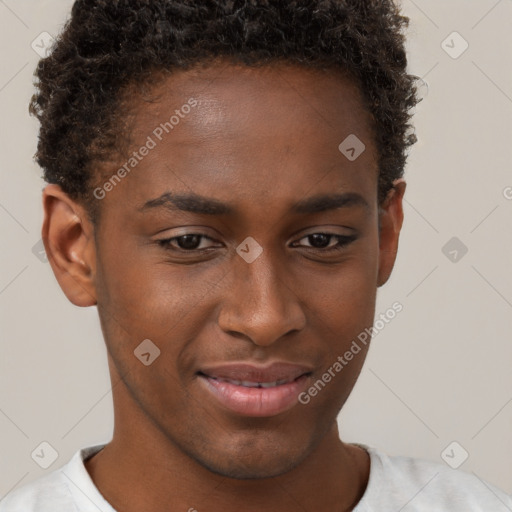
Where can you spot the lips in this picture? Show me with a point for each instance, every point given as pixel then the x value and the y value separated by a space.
pixel 255 391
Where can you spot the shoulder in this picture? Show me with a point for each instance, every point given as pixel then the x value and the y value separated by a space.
pixel 418 484
pixel 49 493
pixel 67 489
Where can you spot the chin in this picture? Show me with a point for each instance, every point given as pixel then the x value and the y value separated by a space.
pixel 257 451
pixel 259 468
pixel 256 459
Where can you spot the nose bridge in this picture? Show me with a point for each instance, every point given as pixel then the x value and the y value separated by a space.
pixel 263 279
pixel 261 304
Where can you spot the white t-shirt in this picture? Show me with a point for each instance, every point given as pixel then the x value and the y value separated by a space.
pixel 396 483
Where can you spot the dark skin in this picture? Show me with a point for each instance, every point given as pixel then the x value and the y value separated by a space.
pixel 261 140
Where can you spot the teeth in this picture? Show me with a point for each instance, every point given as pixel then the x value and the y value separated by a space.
pixel 249 384
pixel 268 384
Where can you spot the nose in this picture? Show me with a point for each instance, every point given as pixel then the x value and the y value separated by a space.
pixel 260 304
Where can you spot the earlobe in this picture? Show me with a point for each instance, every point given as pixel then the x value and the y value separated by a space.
pixel 390 221
pixel 69 243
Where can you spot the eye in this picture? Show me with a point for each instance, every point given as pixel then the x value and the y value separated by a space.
pixel 186 243
pixel 322 242
pixel 192 242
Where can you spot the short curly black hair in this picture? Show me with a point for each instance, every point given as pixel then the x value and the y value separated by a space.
pixel 108 46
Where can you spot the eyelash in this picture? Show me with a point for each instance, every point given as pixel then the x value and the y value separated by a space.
pixel 343 241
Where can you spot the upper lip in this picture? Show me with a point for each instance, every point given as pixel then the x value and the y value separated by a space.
pixel 277 371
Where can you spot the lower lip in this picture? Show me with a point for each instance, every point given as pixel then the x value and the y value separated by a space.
pixel 256 402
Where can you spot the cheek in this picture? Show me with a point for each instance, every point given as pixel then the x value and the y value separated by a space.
pixel 344 312
pixel 139 287
pixel 141 300
pixel 346 294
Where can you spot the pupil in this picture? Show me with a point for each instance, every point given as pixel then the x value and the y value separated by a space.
pixel 319 237
pixel 188 241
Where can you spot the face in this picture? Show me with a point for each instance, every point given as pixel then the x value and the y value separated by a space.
pixel 274 255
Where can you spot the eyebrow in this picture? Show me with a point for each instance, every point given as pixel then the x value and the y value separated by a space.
pixel 202 205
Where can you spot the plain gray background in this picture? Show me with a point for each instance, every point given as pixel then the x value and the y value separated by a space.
pixel 439 373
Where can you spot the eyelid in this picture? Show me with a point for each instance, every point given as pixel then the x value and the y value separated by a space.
pixel 167 242
pixel 327 233
pixel 315 231
pixel 341 242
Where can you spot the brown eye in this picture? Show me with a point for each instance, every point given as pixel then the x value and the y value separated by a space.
pixel 322 241
pixel 319 240
pixel 189 242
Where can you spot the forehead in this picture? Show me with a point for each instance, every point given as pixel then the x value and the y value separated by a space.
pixel 270 133
pixel 234 96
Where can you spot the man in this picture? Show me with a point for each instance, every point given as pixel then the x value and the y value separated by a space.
pixel 225 184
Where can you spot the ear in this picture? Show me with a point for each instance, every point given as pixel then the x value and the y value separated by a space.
pixel 391 217
pixel 68 237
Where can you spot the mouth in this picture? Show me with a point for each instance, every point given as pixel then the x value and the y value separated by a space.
pixel 251 384
pixel 255 391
